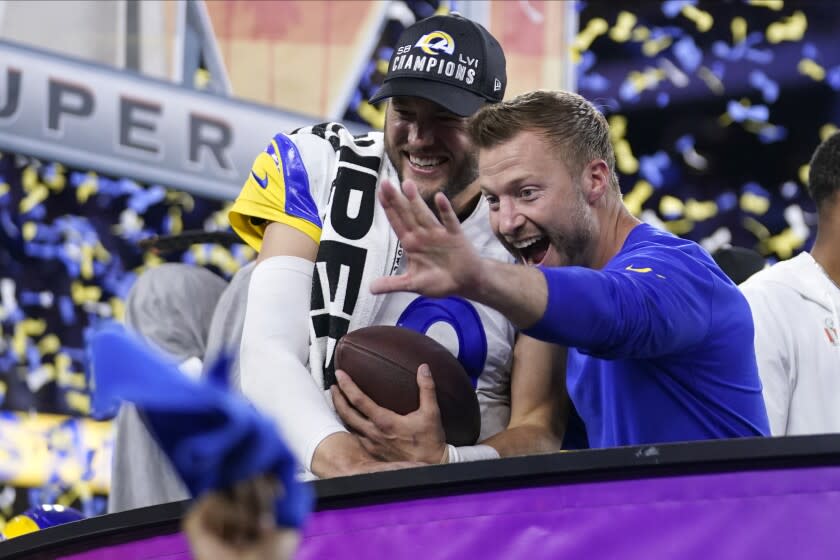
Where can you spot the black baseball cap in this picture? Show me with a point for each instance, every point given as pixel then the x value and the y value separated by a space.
pixel 447 59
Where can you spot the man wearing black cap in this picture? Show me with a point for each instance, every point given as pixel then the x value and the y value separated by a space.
pixel 309 207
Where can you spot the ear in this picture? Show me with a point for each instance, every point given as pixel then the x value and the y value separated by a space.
pixel 595 180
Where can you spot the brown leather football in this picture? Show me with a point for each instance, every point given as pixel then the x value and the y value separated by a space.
pixel 383 362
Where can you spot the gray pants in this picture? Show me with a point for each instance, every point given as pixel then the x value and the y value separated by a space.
pixel 187 312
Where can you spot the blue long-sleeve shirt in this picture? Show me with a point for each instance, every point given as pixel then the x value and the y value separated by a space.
pixel 660 345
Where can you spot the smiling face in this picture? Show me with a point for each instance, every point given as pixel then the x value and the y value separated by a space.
pixel 429 145
pixel 537 209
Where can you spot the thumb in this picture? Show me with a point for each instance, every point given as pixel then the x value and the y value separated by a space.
pixel 426 384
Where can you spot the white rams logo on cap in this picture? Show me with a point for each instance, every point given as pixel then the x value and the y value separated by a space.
pixel 436 42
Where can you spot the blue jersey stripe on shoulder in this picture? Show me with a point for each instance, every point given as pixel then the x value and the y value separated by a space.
pixel 299 202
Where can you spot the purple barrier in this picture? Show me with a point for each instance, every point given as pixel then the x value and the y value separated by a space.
pixel 780 513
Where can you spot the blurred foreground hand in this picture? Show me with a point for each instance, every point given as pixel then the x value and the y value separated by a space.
pixel 240 524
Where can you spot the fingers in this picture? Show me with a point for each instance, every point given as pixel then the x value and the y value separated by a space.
pixel 385 284
pixel 349 415
pixel 397 209
pixel 448 218
pixel 426 384
pixel 406 210
pixel 367 417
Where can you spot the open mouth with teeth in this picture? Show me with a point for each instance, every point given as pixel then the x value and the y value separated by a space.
pixel 425 164
pixel 532 250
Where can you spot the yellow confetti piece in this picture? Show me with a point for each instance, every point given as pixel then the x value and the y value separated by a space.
pixel 382 66
pixel 117 308
pixel 753 203
pixel 30 230
pixel 699 211
pixel 811 69
pixel 199 254
pixel 739 29
pixel 176 224
pixel 33 327
pixel 755 227
pixel 78 401
pixel 201 78
pixel 654 47
pixel 648 79
pixel 183 199
pixel 4 188
pixel 86 262
pixel 221 258
pixel 84 294
pixel 711 81
pixel 641 34
pixel 827 130
pixel 87 188
pixel 100 253
pixel 618 127
pixel 788 29
pixel 679 227
pixel 784 244
pixel 373 115
pixel 71 379
pixel 670 206
pixel 150 260
pixel 803 173
pixel 774 5
pixel 703 20
pixel 248 254
pixel 58 180
pixel 49 344
pixel 29 179
pixel 634 200
pixel 621 31
pixel 38 195
pixel 624 158
pixel 3 388
pixel 595 28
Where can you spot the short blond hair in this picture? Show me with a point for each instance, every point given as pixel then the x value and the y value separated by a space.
pixel 569 122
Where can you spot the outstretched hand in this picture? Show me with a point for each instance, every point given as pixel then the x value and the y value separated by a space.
pixel 441 260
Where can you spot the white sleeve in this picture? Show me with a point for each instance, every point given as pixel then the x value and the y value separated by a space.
pixel 274 354
pixel 772 352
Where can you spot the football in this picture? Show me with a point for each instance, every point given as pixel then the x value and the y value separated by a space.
pixel 383 362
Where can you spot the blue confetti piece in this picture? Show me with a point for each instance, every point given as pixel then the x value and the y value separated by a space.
pixel 771 134
pixel 688 54
pixel 40 251
pixel 66 310
pixel 662 99
pixel 684 143
pixel 651 168
pixel 809 50
pixel 36 213
pixel 832 78
pixel 670 32
pixel 33 357
pixel 587 60
pixel 769 88
pixel 789 190
pixel 141 201
pixel 594 82
pixel 188 257
pixel 672 8
pixel 739 113
pixel 759 56
pixel 726 201
pixel 756 189
pixel 627 91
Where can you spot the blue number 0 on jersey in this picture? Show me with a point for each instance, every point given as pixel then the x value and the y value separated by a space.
pixel 459 314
